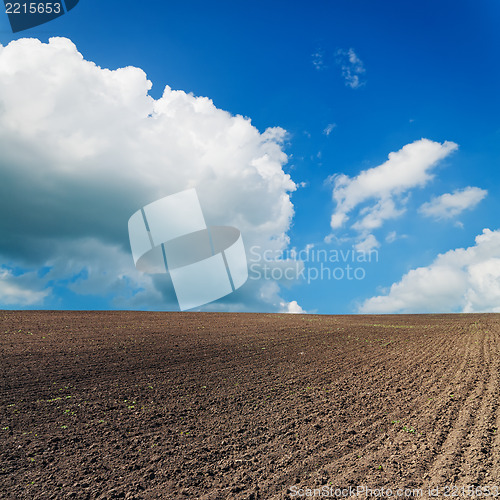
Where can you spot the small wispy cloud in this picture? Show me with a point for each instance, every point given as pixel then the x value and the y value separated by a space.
pixel 318 60
pixel 393 236
pixel 449 205
pixel 329 128
pixel 352 68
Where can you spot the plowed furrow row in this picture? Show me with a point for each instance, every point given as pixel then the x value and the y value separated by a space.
pixel 453 434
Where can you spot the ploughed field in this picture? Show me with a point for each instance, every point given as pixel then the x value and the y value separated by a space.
pixel 253 406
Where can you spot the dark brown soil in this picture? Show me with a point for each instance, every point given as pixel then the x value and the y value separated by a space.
pixel 246 406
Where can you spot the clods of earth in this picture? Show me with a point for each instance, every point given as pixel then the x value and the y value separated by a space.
pixel 141 405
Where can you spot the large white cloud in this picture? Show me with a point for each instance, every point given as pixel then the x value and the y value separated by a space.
pixel 379 190
pixel 82 148
pixel 465 280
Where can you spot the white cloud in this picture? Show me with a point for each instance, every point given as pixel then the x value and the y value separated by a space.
pixel 367 244
pixel 374 216
pixel 21 290
pixel 84 147
pixel 405 169
pixel 97 267
pixel 292 307
pixel 450 205
pixel 380 189
pixel 329 128
pixel 392 236
pixel 270 294
pixel 461 280
pixel 352 68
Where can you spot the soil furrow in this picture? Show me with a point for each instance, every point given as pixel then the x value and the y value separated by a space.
pixel 209 406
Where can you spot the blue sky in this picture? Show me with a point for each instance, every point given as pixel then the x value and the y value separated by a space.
pixel 338 85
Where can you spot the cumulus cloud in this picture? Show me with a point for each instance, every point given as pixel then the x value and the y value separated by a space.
pixel 450 205
pixel 292 307
pixel 84 147
pixel 460 280
pixel 378 192
pixel 352 68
